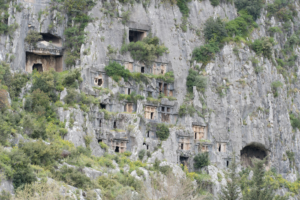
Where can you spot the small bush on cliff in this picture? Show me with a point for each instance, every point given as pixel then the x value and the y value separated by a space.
pixel 40 153
pixel 116 71
pixel 146 50
pixel 275 86
pixel 253 7
pixel 205 53
pixel 73 177
pixel 33 37
pixel 241 26
pixel 295 121
pixel 201 160
pixel 214 30
pixel 142 154
pixel 162 131
pixel 214 2
pixel 194 79
pixel 263 46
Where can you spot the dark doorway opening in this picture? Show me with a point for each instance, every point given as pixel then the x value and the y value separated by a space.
pixel 195 136
pixel 163 109
pixel 165 89
pixel 181 146
pixel 117 149
pixel 99 140
pixel 135 36
pixel 128 90
pixel 147 146
pixel 37 67
pixel 103 106
pixel 142 70
pixel 100 123
pixel 227 163
pixel 152 114
pixel 220 148
pixel 148 134
pixel 184 160
pixel 252 151
pixel 115 124
pixel 100 82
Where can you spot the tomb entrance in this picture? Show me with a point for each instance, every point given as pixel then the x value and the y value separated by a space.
pixel 184 160
pixel 38 67
pixel 136 35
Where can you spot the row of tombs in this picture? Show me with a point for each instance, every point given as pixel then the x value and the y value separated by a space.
pixel 189 144
pixel 48 52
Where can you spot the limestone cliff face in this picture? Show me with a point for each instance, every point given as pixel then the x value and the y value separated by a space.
pixel 247 113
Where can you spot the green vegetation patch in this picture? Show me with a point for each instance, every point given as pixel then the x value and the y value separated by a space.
pixel 145 51
pixel 201 160
pixel 162 131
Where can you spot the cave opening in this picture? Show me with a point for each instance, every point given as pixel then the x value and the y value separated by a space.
pixel 184 160
pixel 51 38
pixel 117 149
pixel 142 70
pixel 251 151
pixel 38 67
pixel 99 140
pixel 103 106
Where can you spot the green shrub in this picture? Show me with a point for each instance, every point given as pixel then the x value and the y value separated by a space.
pixel 205 53
pixel 291 156
pixel 70 80
pixel 34 128
pixel 73 177
pixel 201 160
pixel 274 29
pixel 186 109
pixel 281 9
pixel 40 153
pixel 275 85
pixel 194 79
pixel 74 33
pixel 183 7
pixel 103 146
pixel 214 2
pixel 241 25
pixel 22 172
pixel 142 154
pixel 252 7
pixel 162 131
pixel 115 70
pixel 165 169
pixel 33 37
pixel 133 97
pixel 214 30
pixel 145 51
pixel 46 82
pixel 295 121
pixel 263 46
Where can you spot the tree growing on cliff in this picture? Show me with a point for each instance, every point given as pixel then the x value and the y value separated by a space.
pixel 232 190
pixel 258 187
